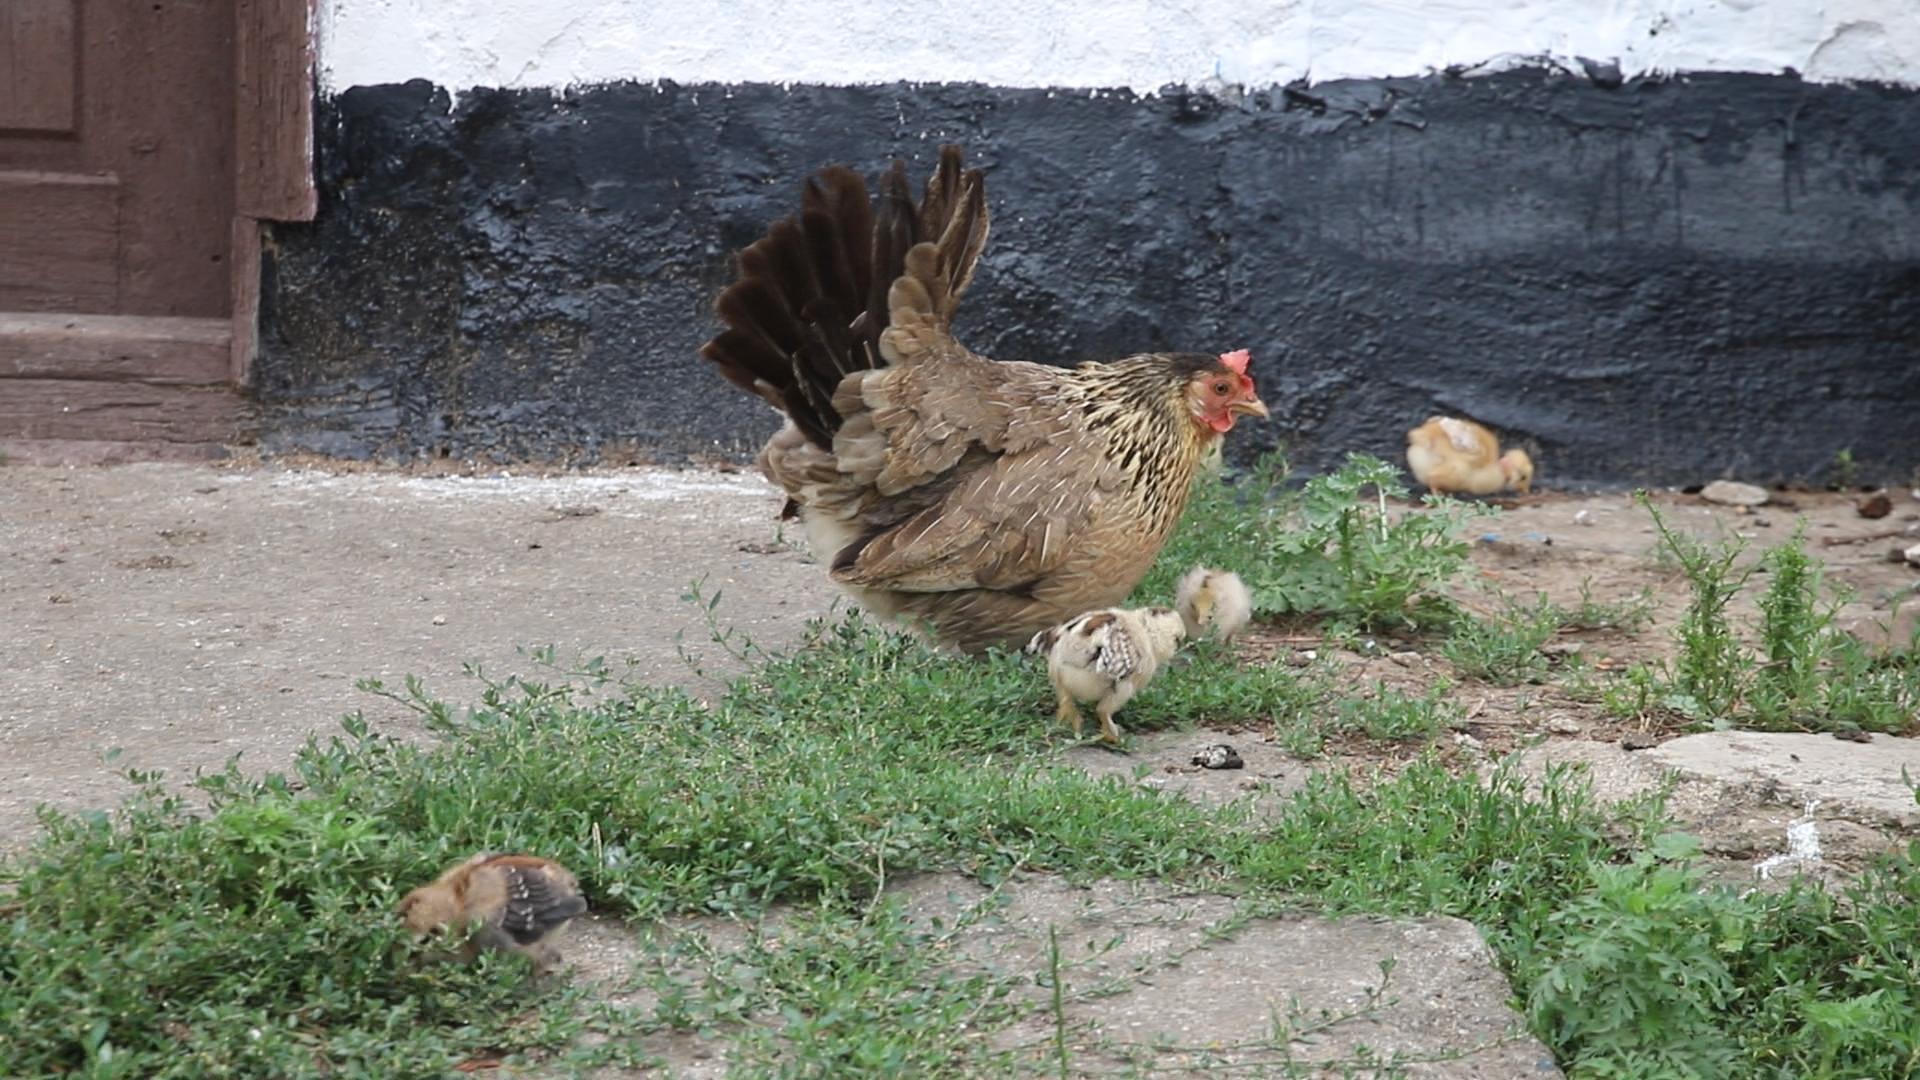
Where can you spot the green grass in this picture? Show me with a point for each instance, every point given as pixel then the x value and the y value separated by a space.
pixel 1330 550
pixel 253 937
pixel 1803 674
pixel 1505 650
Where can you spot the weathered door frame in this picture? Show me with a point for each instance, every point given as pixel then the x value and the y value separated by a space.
pixel 173 386
pixel 274 58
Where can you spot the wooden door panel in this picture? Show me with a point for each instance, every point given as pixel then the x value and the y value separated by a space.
pixel 39 67
pixel 59 242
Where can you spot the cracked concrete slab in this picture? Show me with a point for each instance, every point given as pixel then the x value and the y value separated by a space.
pixel 1153 978
pixel 1744 793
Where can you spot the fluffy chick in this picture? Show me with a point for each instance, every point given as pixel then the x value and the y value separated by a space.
pixel 518 903
pixel 1106 656
pixel 1451 455
pixel 1213 601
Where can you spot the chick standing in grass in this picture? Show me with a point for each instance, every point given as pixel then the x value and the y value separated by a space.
pixel 1214 602
pixel 1452 455
pixel 519 903
pixel 1106 656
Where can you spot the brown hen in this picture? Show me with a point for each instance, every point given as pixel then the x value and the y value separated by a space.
pixel 980 500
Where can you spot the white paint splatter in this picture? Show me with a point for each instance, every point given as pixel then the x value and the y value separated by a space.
pixel 1138 44
pixel 1803 846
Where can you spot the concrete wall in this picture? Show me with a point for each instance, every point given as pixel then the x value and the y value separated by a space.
pixel 1621 233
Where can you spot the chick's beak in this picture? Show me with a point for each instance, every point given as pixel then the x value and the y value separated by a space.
pixel 1249 407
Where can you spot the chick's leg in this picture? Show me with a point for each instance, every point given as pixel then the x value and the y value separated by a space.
pixel 1068 712
pixel 1109 705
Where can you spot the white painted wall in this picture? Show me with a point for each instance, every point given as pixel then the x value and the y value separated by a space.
pixel 1139 44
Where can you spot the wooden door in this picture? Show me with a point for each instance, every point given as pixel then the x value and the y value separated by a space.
pixel 117 225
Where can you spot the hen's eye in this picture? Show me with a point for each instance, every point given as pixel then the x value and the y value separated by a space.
pixel 1220 388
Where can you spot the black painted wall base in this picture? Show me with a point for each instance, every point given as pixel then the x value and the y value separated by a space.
pixel 1657 282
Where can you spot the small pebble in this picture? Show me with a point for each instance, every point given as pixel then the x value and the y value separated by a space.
pixel 1218 756
pixel 1638 741
pixel 439 620
pixel 1564 725
pixel 1406 658
pixel 1467 742
pixel 1561 648
pixel 1912 555
pixel 1584 517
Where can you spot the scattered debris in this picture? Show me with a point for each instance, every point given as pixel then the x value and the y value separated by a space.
pixel 1836 541
pixel 1875 506
pixel 1732 493
pixel 183 537
pixel 753 548
pixel 153 562
pixel 1886 636
pixel 1218 756
pixel 563 511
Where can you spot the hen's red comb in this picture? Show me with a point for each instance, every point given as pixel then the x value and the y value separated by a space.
pixel 1236 361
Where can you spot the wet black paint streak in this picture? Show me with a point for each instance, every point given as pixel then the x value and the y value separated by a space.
pixel 1663 281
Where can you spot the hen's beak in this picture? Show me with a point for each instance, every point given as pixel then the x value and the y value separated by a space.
pixel 1249 407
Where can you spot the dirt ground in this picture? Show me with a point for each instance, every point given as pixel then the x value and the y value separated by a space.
pixel 186 614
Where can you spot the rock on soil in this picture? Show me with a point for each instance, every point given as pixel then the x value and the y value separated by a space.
pixel 1731 493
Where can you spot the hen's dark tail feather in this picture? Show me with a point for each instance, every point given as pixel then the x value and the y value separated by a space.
pixel 809 299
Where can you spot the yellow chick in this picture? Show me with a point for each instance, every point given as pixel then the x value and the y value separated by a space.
pixel 518 903
pixel 1450 455
pixel 1213 601
pixel 1106 656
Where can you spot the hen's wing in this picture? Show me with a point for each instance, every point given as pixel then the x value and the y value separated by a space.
pixel 1018 470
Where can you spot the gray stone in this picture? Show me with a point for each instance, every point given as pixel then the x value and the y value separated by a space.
pixel 1860 781
pixel 1742 792
pixel 1732 493
pixel 1183 983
